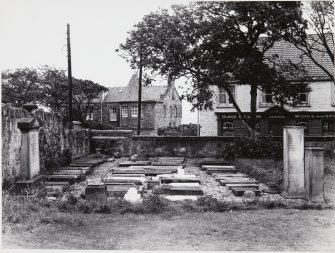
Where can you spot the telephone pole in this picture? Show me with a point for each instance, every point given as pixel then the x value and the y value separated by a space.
pixel 139 93
pixel 69 70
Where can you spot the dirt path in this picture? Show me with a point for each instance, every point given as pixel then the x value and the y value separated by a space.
pixel 253 230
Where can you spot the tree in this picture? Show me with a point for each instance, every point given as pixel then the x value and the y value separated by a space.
pixel 319 46
pixel 83 94
pixel 219 43
pixel 47 86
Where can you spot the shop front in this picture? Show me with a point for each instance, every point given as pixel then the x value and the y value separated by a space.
pixel 272 121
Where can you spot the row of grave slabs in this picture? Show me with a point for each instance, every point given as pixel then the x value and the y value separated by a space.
pixel 165 176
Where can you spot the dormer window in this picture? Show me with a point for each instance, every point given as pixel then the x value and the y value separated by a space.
pixel 223 96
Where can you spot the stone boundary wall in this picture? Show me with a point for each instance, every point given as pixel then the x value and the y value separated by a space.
pixel 53 140
pixel 201 146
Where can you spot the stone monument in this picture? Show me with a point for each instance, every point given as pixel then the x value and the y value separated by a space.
pixel 294 174
pixel 30 157
pixel 314 174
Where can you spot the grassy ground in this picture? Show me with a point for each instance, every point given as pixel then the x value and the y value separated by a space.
pixel 36 223
pixel 249 230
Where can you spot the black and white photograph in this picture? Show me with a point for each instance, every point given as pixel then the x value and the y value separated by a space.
pixel 167 125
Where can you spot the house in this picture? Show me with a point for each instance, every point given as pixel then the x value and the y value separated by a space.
pixel 161 106
pixel 315 112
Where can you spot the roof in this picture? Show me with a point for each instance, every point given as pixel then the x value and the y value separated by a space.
pixel 287 51
pixel 129 93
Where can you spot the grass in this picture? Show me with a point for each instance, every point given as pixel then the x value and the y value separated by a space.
pixel 248 230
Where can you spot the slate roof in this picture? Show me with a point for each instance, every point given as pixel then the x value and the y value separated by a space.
pixel 288 51
pixel 129 93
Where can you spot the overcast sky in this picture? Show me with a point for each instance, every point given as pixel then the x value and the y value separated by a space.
pixel 33 33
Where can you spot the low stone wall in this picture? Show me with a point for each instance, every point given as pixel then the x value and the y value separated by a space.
pixel 54 139
pixel 202 146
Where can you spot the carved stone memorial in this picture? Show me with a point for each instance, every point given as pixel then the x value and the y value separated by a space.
pixel 30 158
pixel 314 174
pixel 294 174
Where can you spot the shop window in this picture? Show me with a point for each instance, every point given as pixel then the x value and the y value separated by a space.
pixel 304 124
pixel 266 96
pixel 328 127
pixel 112 114
pixel 227 128
pixel 223 96
pixel 134 111
pixel 124 111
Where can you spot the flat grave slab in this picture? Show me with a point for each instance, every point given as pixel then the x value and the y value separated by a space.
pixel 179 179
pixel 153 167
pixel 166 163
pixel 134 180
pixel 69 178
pixel 223 182
pixel 127 175
pixel 96 192
pixel 169 158
pixel 181 197
pixel 223 167
pixel 184 184
pixel 210 171
pixel 69 172
pixel 239 191
pixel 213 161
pixel 182 190
pixel 146 171
pixel 136 163
pixel 229 186
pixel 85 170
pixel 224 174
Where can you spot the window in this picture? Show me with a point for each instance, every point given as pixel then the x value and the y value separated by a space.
pixel 164 111
pixel 303 95
pixel 124 111
pixel 134 111
pixel 223 96
pixel 304 124
pixel 266 96
pixel 328 127
pixel 112 114
pixel 89 116
pixel 175 111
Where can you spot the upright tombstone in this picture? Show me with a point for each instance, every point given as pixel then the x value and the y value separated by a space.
pixel 314 174
pixel 294 174
pixel 30 157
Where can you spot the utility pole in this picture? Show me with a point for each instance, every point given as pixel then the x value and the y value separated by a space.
pixel 139 93
pixel 69 73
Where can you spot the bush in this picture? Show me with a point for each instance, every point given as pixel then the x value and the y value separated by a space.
pixel 210 204
pixel 65 158
pixel 181 130
pixel 247 148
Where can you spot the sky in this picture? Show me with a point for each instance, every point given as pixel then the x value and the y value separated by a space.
pixel 33 34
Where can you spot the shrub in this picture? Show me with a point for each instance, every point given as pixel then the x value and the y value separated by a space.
pixel 72 200
pixel 247 148
pixel 65 158
pixel 210 204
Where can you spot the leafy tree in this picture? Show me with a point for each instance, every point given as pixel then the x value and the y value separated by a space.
pixel 219 43
pixel 48 86
pixel 84 92
pixel 319 46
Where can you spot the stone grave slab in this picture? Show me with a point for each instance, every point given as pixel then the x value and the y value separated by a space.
pixel 83 169
pixel 223 167
pixel 152 183
pixel 152 167
pixel 169 158
pixel 181 197
pixel 146 171
pixel 128 175
pixel 136 163
pixel 166 163
pixel 239 191
pixel 212 161
pixel 179 179
pixel 182 190
pixel 134 180
pixel 230 186
pixel 119 190
pixel 69 178
pixel 210 171
pixel 223 182
pixel 96 192
pixel 223 174
pixel 69 172
pixel 184 184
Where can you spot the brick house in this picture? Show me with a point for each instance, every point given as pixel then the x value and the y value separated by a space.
pixel 161 106
pixel 316 112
